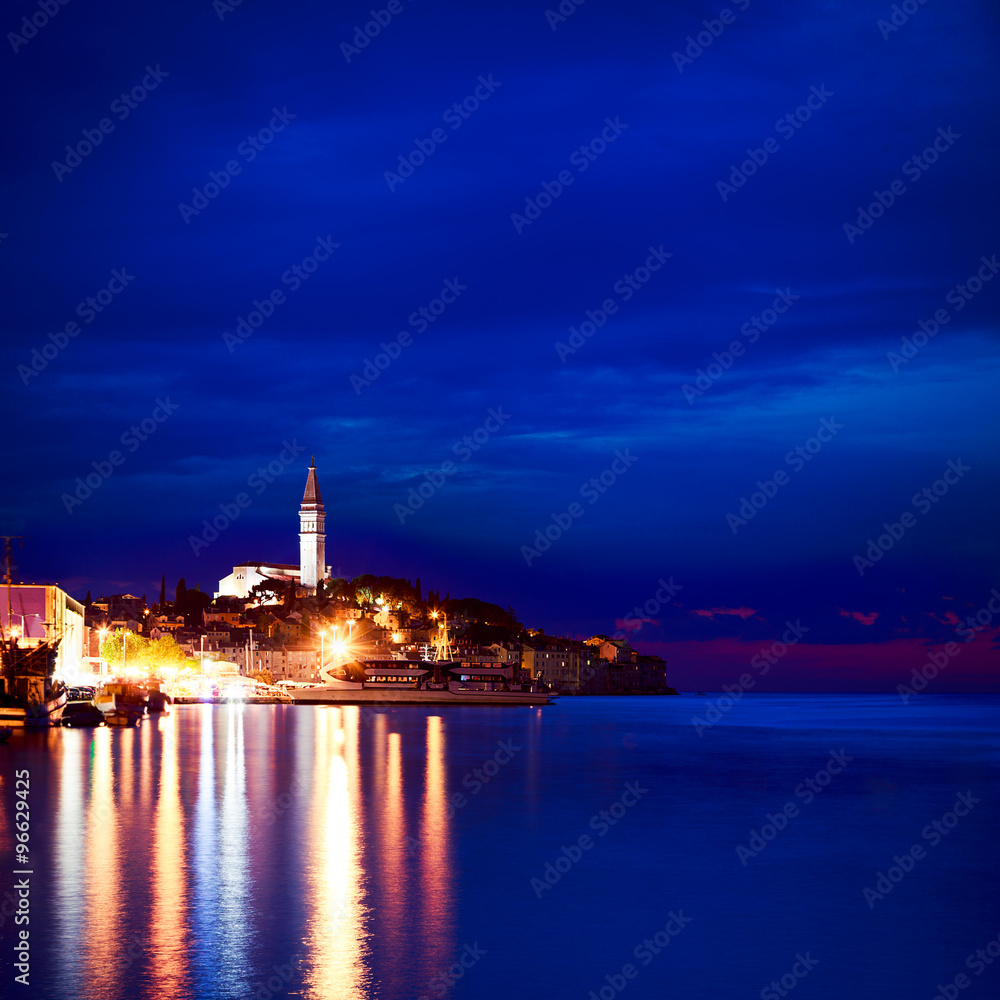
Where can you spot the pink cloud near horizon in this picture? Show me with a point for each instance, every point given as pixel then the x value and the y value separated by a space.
pixel 861 616
pixel 862 667
pixel 743 613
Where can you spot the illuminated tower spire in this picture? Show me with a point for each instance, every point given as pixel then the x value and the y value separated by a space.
pixel 312 534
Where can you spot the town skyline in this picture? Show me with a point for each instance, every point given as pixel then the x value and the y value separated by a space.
pixel 603 282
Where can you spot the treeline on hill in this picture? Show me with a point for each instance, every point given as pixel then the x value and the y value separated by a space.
pixel 489 622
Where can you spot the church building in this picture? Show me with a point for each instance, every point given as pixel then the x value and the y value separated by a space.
pixel 312 551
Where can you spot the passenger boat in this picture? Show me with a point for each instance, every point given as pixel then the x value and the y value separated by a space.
pixel 423 682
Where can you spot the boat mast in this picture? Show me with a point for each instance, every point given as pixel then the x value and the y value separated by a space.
pixel 9 635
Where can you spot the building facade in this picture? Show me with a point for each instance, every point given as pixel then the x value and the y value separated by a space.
pixel 40 611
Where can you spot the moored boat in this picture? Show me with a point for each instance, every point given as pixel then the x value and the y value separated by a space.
pixel 80 709
pixel 157 701
pixel 122 704
pixel 31 698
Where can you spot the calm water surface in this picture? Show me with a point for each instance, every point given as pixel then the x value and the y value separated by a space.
pixel 324 852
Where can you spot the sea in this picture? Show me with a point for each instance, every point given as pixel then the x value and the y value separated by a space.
pixel 813 846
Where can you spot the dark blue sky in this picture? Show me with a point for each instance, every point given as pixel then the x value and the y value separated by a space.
pixel 652 181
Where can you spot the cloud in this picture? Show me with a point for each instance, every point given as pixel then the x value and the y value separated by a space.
pixel 743 613
pixel 627 625
pixel 861 616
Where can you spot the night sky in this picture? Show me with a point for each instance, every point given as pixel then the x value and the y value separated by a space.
pixel 509 171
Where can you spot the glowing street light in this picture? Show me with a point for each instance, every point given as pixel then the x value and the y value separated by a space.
pixel 19 630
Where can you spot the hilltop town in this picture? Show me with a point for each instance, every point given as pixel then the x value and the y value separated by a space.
pixel 285 622
pixel 283 632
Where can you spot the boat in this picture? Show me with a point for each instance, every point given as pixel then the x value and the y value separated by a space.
pixel 80 709
pixel 122 704
pixel 157 701
pixel 31 697
pixel 422 682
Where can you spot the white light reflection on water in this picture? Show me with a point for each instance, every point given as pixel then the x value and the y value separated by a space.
pixel 233 864
pixel 334 964
pixel 71 859
pixel 204 848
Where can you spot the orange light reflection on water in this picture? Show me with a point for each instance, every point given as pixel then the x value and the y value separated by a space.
pixel 391 859
pixel 168 937
pixel 436 863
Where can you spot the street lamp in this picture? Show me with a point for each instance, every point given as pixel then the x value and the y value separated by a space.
pixel 22 626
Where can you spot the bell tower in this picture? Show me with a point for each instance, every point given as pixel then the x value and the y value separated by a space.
pixel 312 532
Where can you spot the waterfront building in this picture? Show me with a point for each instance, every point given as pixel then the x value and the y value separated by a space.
pixel 43 611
